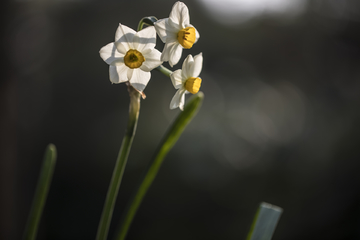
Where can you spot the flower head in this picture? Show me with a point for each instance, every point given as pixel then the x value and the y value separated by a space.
pixel 176 32
pixel 132 56
pixel 186 80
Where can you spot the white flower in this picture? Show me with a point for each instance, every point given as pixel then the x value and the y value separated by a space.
pixel 186 80
pixel 132 56
pixel 176 32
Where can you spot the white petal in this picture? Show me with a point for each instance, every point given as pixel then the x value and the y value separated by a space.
pixel 129 73
pixel 152 60
pixel 110 54
pixel 180 14
pixel 118 62
pixel 175 54
pixel 197 34
pixel 178 100
pixel 195 68
pixel 166 31
pixel 124 30
pixel 139 79
pixel 172 37
pixel 165 55
pixel 124 37
pixel 118 74
pixel 145 39
pixel 173 27
pixel 186 67
pixel 160 27
pixel 122 47
pixel 176 79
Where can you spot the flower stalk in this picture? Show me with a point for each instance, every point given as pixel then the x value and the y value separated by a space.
pixel 164 70
pixel 118 172
pixel 146 20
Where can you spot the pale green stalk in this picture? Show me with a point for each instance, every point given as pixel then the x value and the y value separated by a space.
pixel 146 20
pixel 164 70
pixel 167 143
pixel 41 193
pixel 118 172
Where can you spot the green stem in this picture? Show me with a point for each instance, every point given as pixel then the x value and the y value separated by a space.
pixel 42 190
pixel 118 172
pixel 146 20
pixel 164 70
pixel 167 143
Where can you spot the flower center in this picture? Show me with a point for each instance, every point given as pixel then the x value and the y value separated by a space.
pixel 193 85
pixel 133 58
pixel 187 37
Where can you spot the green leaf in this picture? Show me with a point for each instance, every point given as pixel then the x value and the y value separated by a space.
pixel 265 222
pixel 169 140
pixel 41 193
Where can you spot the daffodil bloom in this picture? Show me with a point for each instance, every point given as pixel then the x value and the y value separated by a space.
pixel 177 33
pixel 132 56
pixel 186 80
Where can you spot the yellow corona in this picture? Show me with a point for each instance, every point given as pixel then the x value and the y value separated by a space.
pixel 187 37
pixel 133 59
pixel 193 85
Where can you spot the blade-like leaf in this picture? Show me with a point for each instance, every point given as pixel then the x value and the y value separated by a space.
pixel 171 137
pixel 41 193
pixel 265 222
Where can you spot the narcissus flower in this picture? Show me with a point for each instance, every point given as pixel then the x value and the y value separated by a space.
pixel 177 33
pixel 132 56
pixel 186 80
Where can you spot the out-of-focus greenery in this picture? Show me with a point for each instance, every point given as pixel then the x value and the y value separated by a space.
pixel 41 193
pixel 264 223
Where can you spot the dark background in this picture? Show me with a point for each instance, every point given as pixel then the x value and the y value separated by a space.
pixel 279 123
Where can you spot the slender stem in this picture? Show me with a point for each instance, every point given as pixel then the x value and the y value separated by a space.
pixel 141 25
pixel 118 172
pixel 146 20
pixel 164 70
pixel 41 193
pixel 167 143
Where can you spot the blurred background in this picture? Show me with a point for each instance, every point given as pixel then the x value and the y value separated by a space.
pixel 279 123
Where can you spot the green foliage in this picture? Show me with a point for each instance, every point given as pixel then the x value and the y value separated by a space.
pixel 265 221
pixel 171 137
pixel 41 193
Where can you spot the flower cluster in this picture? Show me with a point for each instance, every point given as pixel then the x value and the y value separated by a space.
pixel 133 55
